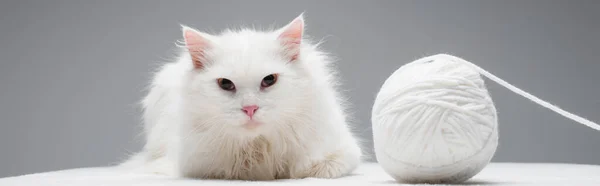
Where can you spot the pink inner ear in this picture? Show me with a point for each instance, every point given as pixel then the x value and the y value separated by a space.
pixel 196 44
pixel 291 37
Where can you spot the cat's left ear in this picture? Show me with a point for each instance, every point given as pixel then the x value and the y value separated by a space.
pixel 290 37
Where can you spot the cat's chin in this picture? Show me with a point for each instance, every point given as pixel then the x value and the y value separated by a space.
pixel 251 125
pixel 250 128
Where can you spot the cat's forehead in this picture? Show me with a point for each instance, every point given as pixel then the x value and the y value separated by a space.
pixel 246 54
pixel 246 44
pixel 247 40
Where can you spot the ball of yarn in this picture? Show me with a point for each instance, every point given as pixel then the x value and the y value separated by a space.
pixel 434 122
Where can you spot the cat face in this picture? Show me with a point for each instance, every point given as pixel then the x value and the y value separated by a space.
pixel 247 80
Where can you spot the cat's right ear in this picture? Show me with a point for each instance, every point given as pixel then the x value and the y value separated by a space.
pixel 196 44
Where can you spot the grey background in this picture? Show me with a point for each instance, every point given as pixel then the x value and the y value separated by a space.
pixel 71 72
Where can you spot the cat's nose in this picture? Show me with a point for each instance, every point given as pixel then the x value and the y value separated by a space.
pixel 250 110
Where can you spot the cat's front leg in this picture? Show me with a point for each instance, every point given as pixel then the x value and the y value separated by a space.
pixel 334 164
pixel 195 156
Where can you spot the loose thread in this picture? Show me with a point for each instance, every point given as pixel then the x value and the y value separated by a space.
pixel 527 95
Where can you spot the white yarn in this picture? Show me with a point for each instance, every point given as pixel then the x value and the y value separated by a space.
pixel 435 122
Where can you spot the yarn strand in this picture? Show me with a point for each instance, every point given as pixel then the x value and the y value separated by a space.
pixel 527 95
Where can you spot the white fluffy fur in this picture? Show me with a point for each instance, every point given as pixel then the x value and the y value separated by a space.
pixel 194 129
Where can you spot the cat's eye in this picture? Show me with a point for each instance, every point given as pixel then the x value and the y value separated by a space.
pixel 268 81
pixel 226 84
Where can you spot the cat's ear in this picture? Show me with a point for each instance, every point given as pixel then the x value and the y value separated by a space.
pixel 290 37
pixel 196 44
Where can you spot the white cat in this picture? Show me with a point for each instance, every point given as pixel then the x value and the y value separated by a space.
pixel 249 105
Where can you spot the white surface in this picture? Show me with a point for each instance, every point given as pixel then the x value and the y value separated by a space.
pixel 367 174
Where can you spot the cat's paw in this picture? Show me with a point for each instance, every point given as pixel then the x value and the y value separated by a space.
pixel 326 169
pixel 334 165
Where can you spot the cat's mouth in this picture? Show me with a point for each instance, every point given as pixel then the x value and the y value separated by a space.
pixel 251 124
